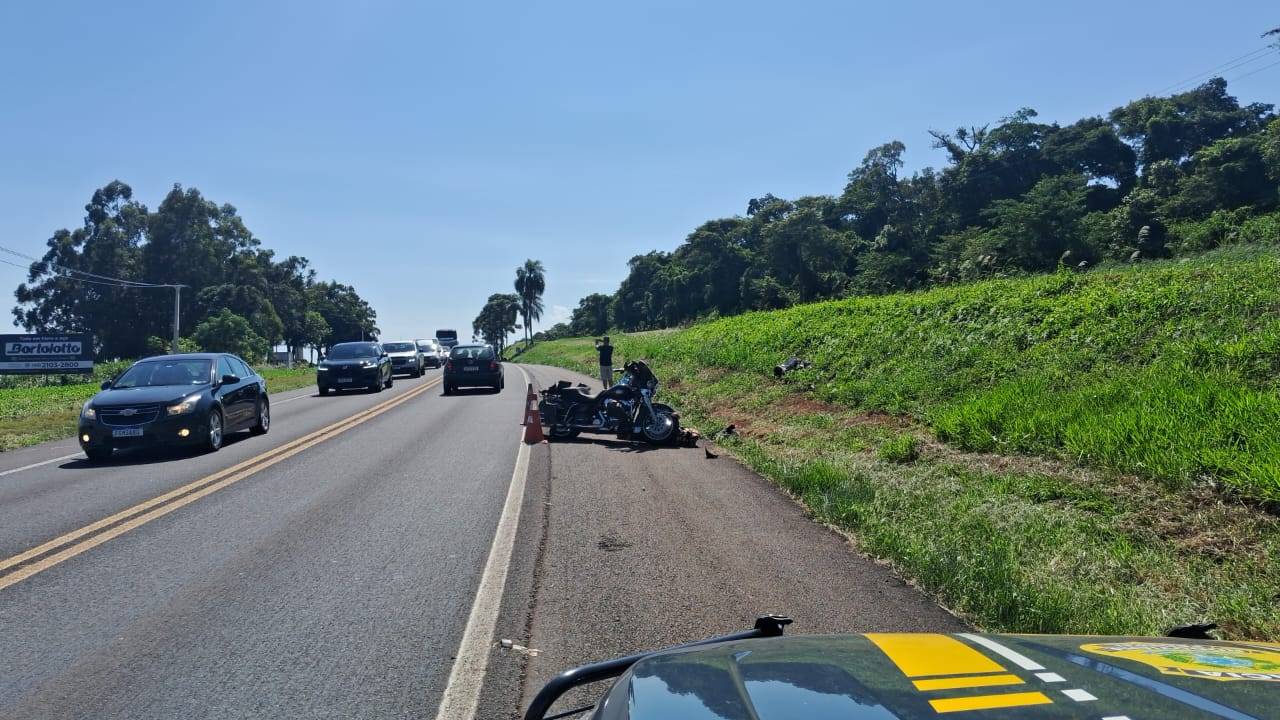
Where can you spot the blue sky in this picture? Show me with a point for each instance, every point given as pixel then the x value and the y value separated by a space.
pixel 421 151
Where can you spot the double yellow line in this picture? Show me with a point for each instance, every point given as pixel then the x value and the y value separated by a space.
pixel 65 547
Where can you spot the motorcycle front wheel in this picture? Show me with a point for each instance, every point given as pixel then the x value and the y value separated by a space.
pixel 662 426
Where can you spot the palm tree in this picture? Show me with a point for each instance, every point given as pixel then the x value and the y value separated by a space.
pixel 531 281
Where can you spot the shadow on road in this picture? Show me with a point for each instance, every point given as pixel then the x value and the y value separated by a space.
pixel 148 455
pixel 624 446
pixel 472 391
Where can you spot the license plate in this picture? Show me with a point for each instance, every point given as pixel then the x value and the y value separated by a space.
pixel 127 432
pixel 344 380
pixel 470 369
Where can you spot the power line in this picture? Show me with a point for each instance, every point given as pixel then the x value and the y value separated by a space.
pixel 1245 59
pixel 1255 72
pixel 103 279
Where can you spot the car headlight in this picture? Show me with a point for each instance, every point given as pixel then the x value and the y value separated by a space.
pixel 369 363
pixel 183 407
pixel 88 413
pixel 321 368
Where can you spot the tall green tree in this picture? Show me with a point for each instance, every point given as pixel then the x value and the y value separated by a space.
pixel 1175 127
pixel 591 317
pixel 187 240
pixel 530 283
pixel 497 319
pixel 228 332
pixel 348 316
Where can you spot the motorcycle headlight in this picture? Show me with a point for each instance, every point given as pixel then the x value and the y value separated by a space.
pixel 88 413
pixel 183 407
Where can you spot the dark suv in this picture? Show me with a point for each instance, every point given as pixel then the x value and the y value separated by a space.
pixel 354 364
pixel 472 366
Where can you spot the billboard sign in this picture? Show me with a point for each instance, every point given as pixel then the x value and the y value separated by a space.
pixel 45 354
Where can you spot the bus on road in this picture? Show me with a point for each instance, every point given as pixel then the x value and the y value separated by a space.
pixel 447 338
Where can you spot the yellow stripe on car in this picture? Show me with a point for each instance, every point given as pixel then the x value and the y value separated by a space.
pixel 925 654
pixel 970 681
pixel 989 702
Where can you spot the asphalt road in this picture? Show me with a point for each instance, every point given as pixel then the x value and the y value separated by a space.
pixel 330 568
pixel 333 583
pixel 624 547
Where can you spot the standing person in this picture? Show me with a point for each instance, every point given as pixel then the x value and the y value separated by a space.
pixel 606 361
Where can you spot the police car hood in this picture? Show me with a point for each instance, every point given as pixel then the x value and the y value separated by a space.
pixel 963 676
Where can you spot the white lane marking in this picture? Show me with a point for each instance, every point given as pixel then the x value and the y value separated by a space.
pixel 1116 717
pixel 289 400
pixel 461 695
pixel 1051 677
pixel 42 463
pixel 1079 695
pixel 1009 654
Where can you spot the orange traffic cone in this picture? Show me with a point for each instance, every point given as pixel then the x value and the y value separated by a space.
pixel 532 419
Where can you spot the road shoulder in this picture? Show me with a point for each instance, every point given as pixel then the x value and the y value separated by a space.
pixel 644 547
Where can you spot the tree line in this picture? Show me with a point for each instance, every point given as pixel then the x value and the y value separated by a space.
pixel 238 297
pixel 1159 176
pixel 500 314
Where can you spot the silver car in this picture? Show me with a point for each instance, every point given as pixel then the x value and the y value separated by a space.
pixel 433 355
pixel 405 357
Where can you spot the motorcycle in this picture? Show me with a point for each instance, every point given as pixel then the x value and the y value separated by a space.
pixel 627 409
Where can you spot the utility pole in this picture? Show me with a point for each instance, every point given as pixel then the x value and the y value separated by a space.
pixel 177 300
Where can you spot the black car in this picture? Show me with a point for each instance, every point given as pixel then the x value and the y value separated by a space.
pixel 472 366
pixel 193 399
pixel 354 364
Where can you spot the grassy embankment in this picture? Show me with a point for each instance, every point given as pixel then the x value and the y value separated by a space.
pixel 39 408
pixel 1089 453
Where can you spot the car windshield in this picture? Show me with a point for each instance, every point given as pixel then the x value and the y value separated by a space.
pixel 398 347
pixel 154 373
pixel 351 351
pixel 471 352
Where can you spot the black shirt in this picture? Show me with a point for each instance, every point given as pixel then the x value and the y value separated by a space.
pixel 606 354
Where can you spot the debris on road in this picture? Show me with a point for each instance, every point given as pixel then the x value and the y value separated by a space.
pixel 710 455
pixel 688 438
pixel 511 645
pixel 790 365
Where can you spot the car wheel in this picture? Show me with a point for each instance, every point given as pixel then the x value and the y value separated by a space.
pixel 324 391
pixel 376 386
pixel 390 379
pixel 263 425
pixel 213 441
pixel 98 454
pixel 448 389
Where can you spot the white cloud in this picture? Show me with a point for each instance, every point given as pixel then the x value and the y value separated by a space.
pixel 558 314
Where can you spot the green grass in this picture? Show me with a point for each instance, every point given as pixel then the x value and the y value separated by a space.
pixel 904 448
pixel 280 379
pixel 38 410
pixel 1169 370
pixel 1099 444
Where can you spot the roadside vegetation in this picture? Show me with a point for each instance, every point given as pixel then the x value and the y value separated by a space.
pixel 238 297
pixel 1074 452
pixel 35 409
pixel 1158 177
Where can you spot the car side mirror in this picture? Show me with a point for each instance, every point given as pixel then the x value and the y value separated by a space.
pixel 230 379
pixel 383 355
pixel 106 384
